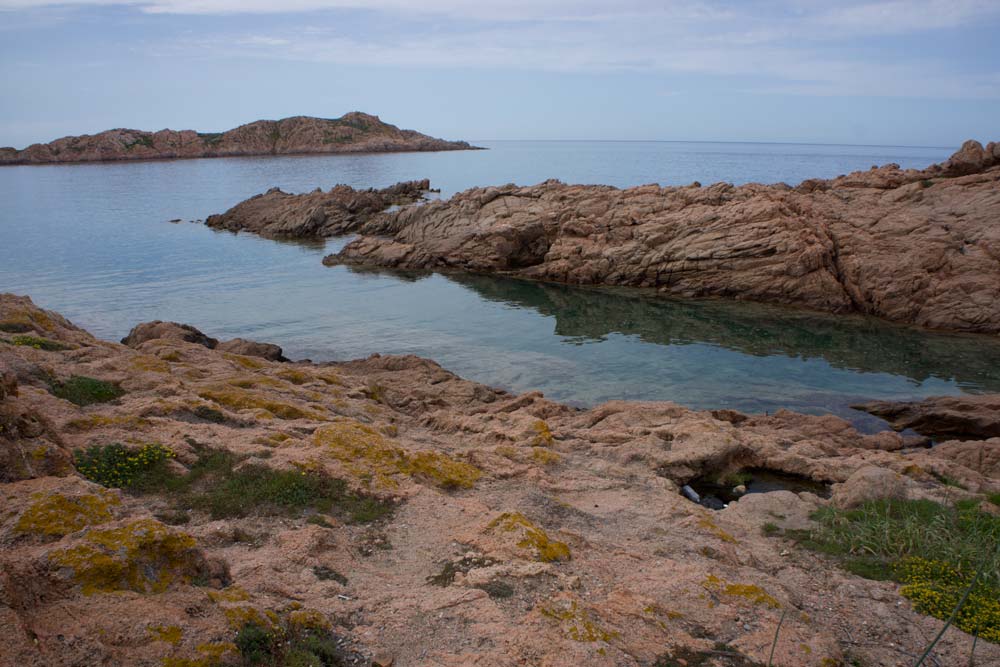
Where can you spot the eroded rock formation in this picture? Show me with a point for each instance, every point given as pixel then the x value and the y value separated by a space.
pixel 550 535
pixel 317 214
pixel 354 132
pixel 919 247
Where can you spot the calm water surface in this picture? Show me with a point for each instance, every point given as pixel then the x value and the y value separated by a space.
pixel 93 242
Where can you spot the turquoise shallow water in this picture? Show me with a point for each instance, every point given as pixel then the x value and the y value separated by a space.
pixel 93 242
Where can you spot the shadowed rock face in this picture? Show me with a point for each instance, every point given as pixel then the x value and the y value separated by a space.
pixel 317 214
pixel 965 417
pixel 354 132
pixel 921 247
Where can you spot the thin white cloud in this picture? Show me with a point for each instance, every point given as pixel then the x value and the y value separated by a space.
pixel 779 46
pixel 859 17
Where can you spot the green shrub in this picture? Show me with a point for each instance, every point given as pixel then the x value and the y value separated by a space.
pixel 288 644
pixel 933 549
pixel 39 343
pixel 216 483
pixel 117 466
pixel 83 390
pixel 256 644
pixel 14 326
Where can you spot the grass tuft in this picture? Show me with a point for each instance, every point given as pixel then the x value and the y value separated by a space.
pixel 932 549
pixel 217 484
pixel 39 343
pixel 82 390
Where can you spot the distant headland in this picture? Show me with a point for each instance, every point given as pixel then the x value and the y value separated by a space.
pixel 353 132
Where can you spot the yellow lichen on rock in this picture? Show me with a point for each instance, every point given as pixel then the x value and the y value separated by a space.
pixel 544 456
pixel 93 422
pixel 576 623
pixel 252 381
pixel 19 320
pixel 147 362
pixel 530 537
pixel 213 654
pixel 543 434
pixel 143 556
pixel 272 439
pixel 708 524
pixel 308 619
pixel 56 515
pixel 295 376
pixel 751 592
pixel 171 634
pixel 240 616
pixel 230 594
pixel 236 398
pixel 366 454
pixel 245 362
pixel 535 454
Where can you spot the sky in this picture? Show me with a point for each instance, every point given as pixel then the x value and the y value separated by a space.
pixel 889 72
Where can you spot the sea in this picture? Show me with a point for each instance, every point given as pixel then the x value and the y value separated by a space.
pixel 96 243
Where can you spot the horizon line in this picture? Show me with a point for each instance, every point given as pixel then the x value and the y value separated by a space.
pixel 721 141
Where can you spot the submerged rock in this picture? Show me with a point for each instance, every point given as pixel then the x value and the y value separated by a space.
pixel 919 247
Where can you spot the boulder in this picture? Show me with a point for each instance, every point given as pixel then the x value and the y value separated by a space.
pixel 251 348
pixel 159 330
pixel 869 483
pixel 969 159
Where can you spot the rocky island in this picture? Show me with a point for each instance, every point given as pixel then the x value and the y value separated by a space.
pixel 176 501
pixel 354 132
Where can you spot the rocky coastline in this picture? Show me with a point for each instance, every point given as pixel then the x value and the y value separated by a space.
pixel 467 525
pixel 317 214
pixel 354 132
pixel 918 247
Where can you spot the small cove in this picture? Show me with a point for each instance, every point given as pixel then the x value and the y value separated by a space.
pixel 93 242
